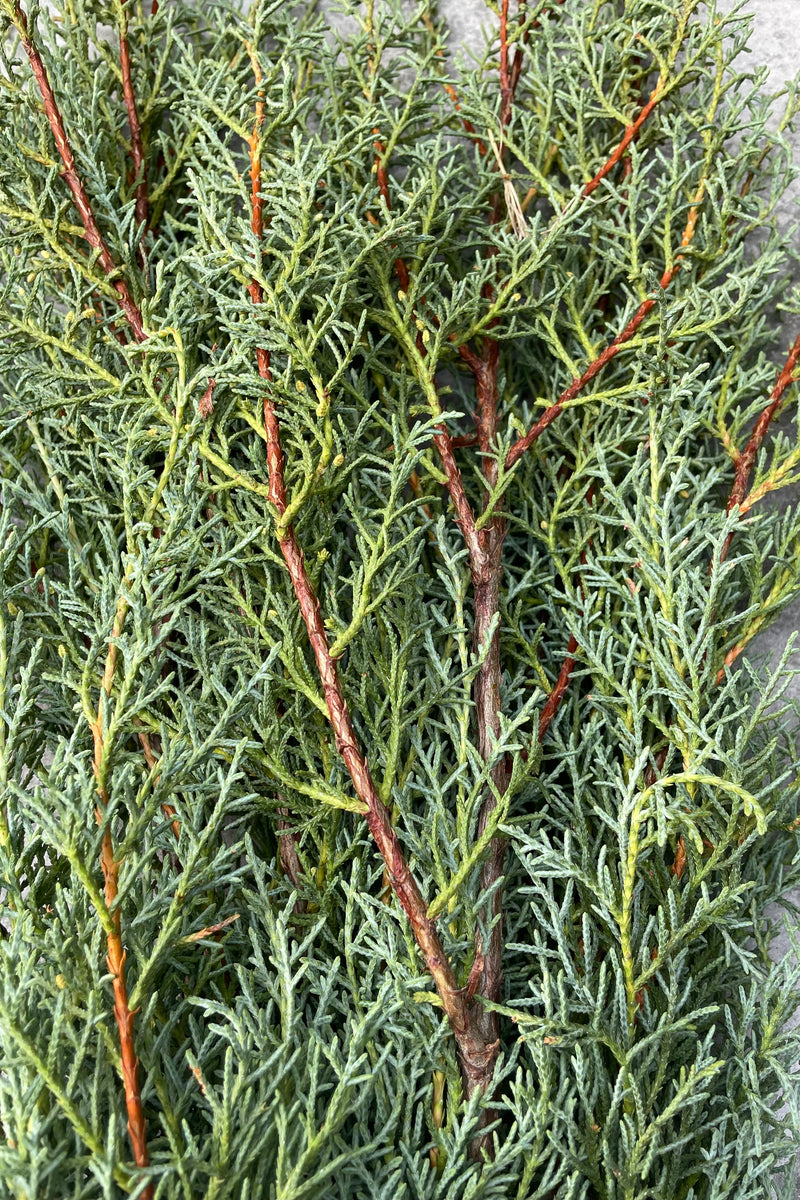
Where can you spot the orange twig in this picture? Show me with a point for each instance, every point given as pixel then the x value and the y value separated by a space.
pixel 553 702
pixel 400 267
pixel 630 133
pixel 116 952
pixel 746 460
pixel 577 386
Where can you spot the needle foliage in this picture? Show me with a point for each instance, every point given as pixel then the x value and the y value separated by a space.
pixel 394 461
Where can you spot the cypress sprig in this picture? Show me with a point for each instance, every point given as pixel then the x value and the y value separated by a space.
pixel 390 449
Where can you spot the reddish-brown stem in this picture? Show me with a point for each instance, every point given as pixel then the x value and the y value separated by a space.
pixel 744 466
pixel 137 145
pixel 516 65
pixel 464 515
pixel 441 438
pixel 479 1044
pixel 514 73
pixel 400 267
pixel 137 1131
pixel 73 180
pixel 549 415
pixel 576 387
pixel 553 702
pixel 486 397
pixel 628 136
pixel 473 360
pixel 487 573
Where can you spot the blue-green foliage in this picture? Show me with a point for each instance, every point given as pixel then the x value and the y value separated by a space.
pixel 647 1052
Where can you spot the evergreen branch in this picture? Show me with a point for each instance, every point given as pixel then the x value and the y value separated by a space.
pixel 288 840
pixel 487 689
pixel 516 65
pixel 631 131
pixel 524 443
pixel 70 173
pixel 54 1086
pixel 116 954
pixel 169 810
pixel 137 1130
pixel 442 438
pixel 261 692
pixel 661 89
pixel 475 1057
pixel 465 517
pixel 571 393
pixel 485 550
